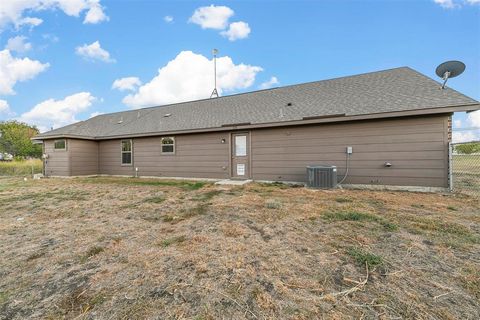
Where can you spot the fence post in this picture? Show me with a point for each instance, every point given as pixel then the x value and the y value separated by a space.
pixel 450 167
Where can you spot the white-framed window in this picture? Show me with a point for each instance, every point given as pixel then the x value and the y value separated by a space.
pixel 60 144
pixel 168 145
pixel 126 152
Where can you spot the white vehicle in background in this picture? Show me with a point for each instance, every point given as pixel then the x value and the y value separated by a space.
pixel 6 157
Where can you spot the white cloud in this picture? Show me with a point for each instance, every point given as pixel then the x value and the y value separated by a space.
pixel 17 12
pixel 5 108
pixel 58 113
pixel 474 118
pixel 28 21
pixel 128 83
pixel 94 51
pixel 236 30
pixel 452 4
pixel 96 113
pixel 212 17
pixel 168 19
pixel 269 84
pixel 448 4
pixel 189 77
pixel 464 136
pixel 471 131
pixel 18 44
pixel 95 14
pixel 13 70
pixel 50 37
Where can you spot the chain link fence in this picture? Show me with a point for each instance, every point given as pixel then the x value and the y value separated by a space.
pixel 465 167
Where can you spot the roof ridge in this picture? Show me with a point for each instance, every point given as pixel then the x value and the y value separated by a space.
pixel 256 91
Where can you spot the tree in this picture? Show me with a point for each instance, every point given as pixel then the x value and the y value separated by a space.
pixel 15 138
pixel 468 148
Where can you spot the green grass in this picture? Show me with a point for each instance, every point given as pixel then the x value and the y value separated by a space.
pixel 279 185
pixel 20 168
pixel 363 257
pixel 471 280
pixel 349 216
pixel 446 229
pixel 273 204
pixel 195 211
pixel 156 199
pixel 359 216
pixel 184 214
pixel 418 206
pixel 343 200
pixel 186 185
pixel 168 242
pixel 206 196
pixel 200 207
pixel 50 197
pixel 3 297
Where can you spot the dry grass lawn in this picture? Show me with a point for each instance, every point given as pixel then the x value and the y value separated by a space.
pixel 124 248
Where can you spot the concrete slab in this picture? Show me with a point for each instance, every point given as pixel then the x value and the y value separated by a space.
pixel 228 182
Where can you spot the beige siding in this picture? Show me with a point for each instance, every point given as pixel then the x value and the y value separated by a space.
pixel 196 156
pixel 109 159
pixel 58 163
pixel 83 157
pixel 416 147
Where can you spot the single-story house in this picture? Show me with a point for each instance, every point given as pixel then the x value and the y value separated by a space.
pixel 396 122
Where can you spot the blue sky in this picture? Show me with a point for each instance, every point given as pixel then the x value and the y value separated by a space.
pixel 64 68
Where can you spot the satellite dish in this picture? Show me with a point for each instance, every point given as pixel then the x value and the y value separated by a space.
pixel 449 69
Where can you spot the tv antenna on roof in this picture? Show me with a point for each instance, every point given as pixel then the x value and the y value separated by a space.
pixel 214 92
pixel 449 69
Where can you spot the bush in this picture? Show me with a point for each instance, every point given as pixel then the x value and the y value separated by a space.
pixel 468 148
